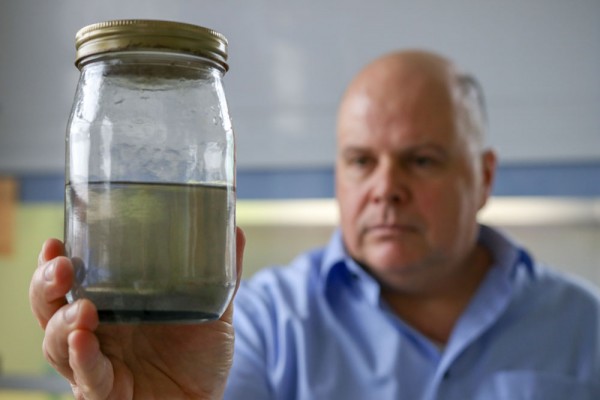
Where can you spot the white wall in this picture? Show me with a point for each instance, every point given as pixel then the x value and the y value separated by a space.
pixel 290 60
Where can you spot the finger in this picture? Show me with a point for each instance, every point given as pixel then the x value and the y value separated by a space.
pixel 51 248
pixel 93 372
pixel 80 315
pixel 49 285
pixel 240 245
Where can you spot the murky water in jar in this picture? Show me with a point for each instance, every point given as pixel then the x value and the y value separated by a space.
pixel 152 252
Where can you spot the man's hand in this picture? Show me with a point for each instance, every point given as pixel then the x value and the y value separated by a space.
pixel 147 361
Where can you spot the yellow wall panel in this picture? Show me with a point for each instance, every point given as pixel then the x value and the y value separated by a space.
pixel 20 335
pixel 8 205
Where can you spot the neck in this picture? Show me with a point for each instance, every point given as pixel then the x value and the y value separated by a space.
pixel 435 313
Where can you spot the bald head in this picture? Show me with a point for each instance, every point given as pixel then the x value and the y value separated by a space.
pixel 411 174
pixel 433 77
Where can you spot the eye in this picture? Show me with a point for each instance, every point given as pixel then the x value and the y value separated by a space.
pixel 362 161
pixel 423 161
pixel 357 158
pixel 358 163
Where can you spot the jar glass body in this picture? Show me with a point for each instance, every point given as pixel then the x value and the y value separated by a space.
pixel 150 188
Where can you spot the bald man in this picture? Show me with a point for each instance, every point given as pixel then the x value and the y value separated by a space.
pixel 411 299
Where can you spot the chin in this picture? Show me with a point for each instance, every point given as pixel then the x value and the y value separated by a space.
pixel 393 254
pixel 392 262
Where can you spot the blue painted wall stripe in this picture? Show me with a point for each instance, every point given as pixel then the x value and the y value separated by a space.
pixel 36 188
pixel 577 180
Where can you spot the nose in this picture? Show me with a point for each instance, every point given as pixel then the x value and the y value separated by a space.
pixel 390 186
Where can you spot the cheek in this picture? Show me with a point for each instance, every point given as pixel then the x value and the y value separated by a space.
pixel 448 209
pixel 441 206
pixel 350 207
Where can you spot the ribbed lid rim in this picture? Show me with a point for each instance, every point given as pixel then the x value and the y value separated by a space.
pixel 150 35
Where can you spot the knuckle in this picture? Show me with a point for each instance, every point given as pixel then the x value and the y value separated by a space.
pixel 35 301
pixel 48 354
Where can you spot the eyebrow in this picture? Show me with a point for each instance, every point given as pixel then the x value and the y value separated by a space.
pixel 354 149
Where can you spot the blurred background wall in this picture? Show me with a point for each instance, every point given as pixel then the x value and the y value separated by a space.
pixel 538 62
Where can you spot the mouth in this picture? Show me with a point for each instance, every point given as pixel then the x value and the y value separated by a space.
pixel 383 231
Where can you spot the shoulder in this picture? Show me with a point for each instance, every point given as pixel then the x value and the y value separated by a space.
pixel 538 286
pixel 270 310
pixel 562 306
pixel 282 287
pixel 566 291
pixel 553 324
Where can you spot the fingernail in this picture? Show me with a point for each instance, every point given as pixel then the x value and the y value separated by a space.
pixel 71 312
pixel 49 271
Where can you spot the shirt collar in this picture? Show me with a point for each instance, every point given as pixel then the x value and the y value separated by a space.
pixel 335 253
pixel 338 267
pixel 512 259
pixel 507 256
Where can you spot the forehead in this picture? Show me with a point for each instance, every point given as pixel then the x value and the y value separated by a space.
pixel 395 114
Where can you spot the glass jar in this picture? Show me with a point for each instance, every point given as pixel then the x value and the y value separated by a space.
pixel 150 173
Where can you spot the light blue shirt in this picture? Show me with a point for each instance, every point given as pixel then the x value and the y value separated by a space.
pixel 318 329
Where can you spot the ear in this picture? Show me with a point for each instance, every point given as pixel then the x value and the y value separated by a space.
pixel 488 167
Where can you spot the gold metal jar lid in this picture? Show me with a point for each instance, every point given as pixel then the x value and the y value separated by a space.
pixel 150 35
